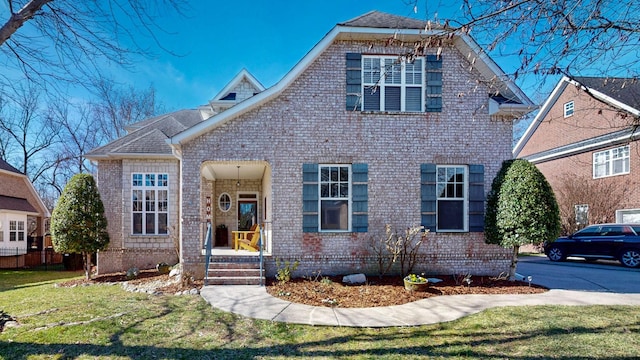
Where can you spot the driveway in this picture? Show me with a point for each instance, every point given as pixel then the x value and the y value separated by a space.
pixel 576 274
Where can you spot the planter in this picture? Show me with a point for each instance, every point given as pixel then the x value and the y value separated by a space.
pixel 415 286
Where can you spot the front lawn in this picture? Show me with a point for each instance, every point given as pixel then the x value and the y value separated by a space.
pixel 106 322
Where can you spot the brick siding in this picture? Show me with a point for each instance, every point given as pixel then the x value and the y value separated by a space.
pixel 308 123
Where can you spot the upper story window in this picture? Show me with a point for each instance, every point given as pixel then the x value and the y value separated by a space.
pixel 150 203
pixel 568 109
pixel 451 192
pixel 335 197
pixel 390 83
pixel 611 162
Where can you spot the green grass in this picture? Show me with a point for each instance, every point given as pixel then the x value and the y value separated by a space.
pixel 114 324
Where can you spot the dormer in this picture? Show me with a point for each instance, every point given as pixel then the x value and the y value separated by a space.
pixel 241 87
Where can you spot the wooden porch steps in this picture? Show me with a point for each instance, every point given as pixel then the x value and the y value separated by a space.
pixel 229 272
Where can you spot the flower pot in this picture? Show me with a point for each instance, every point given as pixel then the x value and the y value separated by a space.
pixel 415 286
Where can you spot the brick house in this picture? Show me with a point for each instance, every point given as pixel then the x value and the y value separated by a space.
pixel 324 158
pixel 586 132
pixel 23 218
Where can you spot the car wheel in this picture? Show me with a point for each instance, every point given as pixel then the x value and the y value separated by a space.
pixel 556 254
pixel 630 258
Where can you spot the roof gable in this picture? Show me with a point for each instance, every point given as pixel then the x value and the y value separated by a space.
pixel 378 26
pixel 623 94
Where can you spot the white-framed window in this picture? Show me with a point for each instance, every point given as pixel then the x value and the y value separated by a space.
pixel 335 197
pixel 16 230
pixel 451 197
pixel 611 162
pixel 392 84
pixel 224 202
pixel 568 108
pixel 150 203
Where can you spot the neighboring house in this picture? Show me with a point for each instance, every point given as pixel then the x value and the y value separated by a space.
pixel 351 139
pixel 23 218
pixel 586 132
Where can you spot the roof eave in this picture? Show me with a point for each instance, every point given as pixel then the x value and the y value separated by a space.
pixel 541 115
pixel 348 33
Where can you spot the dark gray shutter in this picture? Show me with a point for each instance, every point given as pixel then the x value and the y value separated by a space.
pixel 310 198
pixel 354 81
pixel 433 91
pixel 428 196
pixel 476 198
pixel 360 197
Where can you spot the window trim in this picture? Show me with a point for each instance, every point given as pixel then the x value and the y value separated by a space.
pixel 156 187
pixel 349 198
pixel 569 108
pixel 381 85
pixel 465 199
pixel 609 162
pixel 230 202
pixel 17 227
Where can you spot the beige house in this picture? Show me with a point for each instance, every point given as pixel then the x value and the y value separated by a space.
pixel 382 122
pixel 23 218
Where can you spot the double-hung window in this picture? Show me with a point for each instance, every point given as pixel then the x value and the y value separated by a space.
pixel 16 230
pixel 611 162
pixel 451 198
pixel 335 197
pixel 150 200
pixel 392 84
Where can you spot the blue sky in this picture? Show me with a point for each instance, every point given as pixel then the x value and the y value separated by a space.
pixel 218 39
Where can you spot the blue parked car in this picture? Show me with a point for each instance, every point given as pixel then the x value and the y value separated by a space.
pixel 600 241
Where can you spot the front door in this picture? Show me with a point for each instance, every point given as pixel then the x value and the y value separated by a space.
pixel 247 214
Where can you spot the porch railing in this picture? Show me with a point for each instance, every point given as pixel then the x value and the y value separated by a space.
pixel 207 246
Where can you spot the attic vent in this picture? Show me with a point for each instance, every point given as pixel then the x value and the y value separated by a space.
pixel 230 96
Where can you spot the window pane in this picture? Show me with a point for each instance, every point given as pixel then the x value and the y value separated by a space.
pixel 324 190
pixel 371 99
pixel 137 179
pixel 324 174
pixel 344 190
pixel 413 72
pixel 163 202
pixel 137 200
pixel 414 99
pixel 370 70
pixel 150 224
pixel 392 98
pixel 344 173
pixel 393 71
pixel 162 223
pixel 150 201
pixel 163 180
pixel 334 215
pixel 150 180
pixel 334 190
pixel 137 223
pixel 334 174
pixel 450 215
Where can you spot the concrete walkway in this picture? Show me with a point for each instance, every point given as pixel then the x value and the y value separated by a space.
pixel 254 301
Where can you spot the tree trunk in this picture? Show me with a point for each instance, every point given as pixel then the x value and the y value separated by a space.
pixel 16 20
pixel 87 264
pixel 514 263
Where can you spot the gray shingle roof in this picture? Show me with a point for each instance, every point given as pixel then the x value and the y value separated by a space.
pixel 7 167
pixel 150 135
pixel 377 19
pixel 625 90
pixel 16 204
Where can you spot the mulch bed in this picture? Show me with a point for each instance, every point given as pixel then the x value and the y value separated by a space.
pixel 389 290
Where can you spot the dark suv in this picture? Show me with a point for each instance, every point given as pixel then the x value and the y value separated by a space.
pixel 601 241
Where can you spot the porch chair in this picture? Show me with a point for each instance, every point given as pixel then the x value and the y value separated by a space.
pixel 247 240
